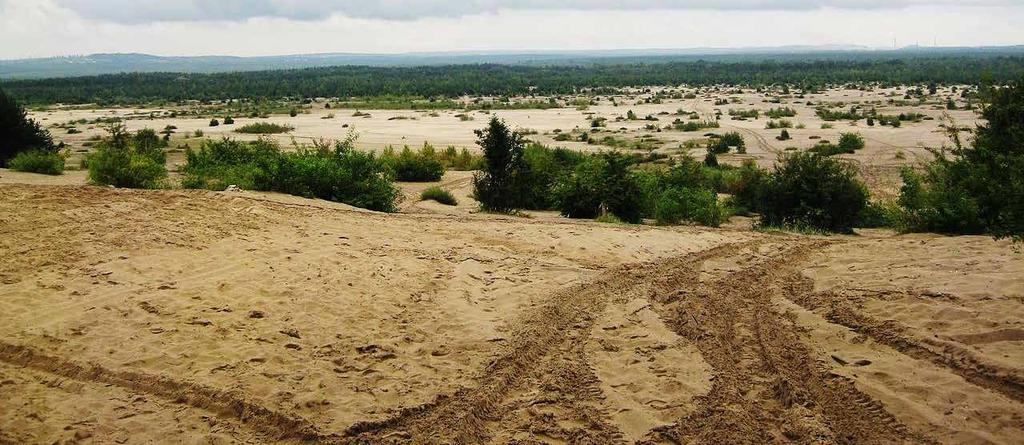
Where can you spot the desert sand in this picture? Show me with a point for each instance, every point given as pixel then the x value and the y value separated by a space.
pixel 886 150
pixel 177 316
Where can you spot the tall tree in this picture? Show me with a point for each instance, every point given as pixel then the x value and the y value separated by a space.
pixel 19 133
pixel 495 187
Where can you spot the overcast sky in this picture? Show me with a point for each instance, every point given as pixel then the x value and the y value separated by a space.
pixel 40 28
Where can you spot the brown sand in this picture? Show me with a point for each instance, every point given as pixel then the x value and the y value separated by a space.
pixel 203 317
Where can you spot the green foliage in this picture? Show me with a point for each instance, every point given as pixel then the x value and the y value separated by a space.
pixel 722 144
pixel 438 194
pixel 598 185
pixel 423 165
pixel 693 125
pixel 839 115
pixel 264 128
pixel 676 205
pixel 18 133
pixel 880 214
pixel 808 189
pixel 776 113
pixel 495 188
pixel 123 159
pixel 748 190
pixel 38 161
pixel 519 79
pixel 341 174
pixel 978 189
pixel 850 142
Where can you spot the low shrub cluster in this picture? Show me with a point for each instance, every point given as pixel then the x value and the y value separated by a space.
pixel 339 173
pixel 263 128
pixel 131 160
pixel 423 165
pixel 607 186
pixel 38 161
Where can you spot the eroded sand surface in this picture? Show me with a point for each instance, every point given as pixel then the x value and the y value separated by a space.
pixel 240 317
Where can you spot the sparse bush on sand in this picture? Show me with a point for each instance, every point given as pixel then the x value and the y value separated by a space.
pixel 436 193
pixel 264 128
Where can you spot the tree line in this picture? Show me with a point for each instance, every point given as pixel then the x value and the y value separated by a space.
pixel 495 79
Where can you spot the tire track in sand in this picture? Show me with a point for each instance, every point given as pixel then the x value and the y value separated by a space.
pixel 768 385
pixel 838 308
pixel 223 403
pixel 544 353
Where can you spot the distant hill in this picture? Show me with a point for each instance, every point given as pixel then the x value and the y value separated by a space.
pixel 95 64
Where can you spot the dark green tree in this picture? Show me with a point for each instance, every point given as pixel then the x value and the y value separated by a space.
pixel 18 133
pixel 495 188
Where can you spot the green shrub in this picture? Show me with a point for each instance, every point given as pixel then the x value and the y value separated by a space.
pixel 808 189
pixel 748 191
pixel 264 128
pixel 18 133
pixel 38 161
pixel 440 195
pixel 850 142
pixel 600 184
pixel 880 214
pixel 218 164
pixel 676 205
pixel 126 160
pixel 419 166
pixel 722 144
pixel 979 188
pixel 341 174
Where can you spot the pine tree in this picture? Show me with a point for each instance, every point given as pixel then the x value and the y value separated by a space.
pixel 495 187
pixel 18 133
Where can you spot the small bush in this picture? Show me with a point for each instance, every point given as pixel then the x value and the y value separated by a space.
pixel 38 161
pixel 440 195
pixel 850 142
pixel 808 189
pixel 126 160
pixel 689 204
pixel 600 184
pixel 264 128
pixel 419 166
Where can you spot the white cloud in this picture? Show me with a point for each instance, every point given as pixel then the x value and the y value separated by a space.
pixel 39 28
pixel 140 11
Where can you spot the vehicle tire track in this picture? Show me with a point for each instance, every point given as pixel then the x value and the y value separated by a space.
pixel 837 308
pixel 767 386
pixel 545 350
pixel 224 403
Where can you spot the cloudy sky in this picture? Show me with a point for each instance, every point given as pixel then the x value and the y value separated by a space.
pixel 40 28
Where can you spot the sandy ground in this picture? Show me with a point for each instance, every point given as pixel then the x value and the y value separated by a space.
pixel 886 148
pixel 239 317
